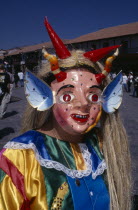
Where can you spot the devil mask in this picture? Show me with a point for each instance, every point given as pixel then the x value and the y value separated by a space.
pixel 75 94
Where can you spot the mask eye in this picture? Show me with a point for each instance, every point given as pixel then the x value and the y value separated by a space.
pixel 93 98
pixel 65 98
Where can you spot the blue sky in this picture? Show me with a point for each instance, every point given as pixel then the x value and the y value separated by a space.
pixel 21 21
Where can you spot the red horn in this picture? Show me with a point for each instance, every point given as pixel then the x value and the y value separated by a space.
pixel 98 54
pixel 107 67
pixel 59 46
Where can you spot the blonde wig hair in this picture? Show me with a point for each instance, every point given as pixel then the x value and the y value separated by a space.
pixel 111 133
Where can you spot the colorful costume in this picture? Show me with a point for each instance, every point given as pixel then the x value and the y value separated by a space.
pixel 38 157
pixel 42 172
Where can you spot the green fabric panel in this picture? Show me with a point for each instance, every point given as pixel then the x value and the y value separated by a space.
pixel 55 152
pixel 93 139
pixel 2 175
pixel 53 180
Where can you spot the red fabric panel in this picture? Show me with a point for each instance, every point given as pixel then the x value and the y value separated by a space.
pixel 17 178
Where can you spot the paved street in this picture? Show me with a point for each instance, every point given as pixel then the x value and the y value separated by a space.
pixel 10 125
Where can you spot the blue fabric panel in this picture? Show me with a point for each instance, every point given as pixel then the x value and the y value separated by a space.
pixel 37 139
pixel 99 194
pixel 94 157
pixel 80 195
pixel 91 194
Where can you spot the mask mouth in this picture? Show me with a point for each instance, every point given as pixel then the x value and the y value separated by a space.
pixel 80 118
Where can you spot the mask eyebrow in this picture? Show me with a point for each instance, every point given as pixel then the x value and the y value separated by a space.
pixel 96 86
pixel 65 86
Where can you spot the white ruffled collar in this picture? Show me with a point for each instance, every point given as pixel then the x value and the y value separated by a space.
pixel 59 166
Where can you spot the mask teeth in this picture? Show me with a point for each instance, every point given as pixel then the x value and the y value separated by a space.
pixel 107 68
pixel 61 50
pixel 60 76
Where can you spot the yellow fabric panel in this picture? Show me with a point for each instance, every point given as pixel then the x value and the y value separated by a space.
pixel 80 164
pixel 27 164
pixel 10 198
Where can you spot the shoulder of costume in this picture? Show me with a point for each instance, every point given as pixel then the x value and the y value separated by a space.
pixel 31 136
pixel 35 141
pixel 29 140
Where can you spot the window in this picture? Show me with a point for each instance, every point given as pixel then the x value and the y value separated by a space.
pixel 124 48
pixel 105 44
pixel 93 47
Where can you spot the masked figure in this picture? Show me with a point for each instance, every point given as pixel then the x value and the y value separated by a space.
pixel 73 152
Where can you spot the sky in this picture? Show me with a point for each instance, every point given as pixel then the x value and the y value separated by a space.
pixel 22 21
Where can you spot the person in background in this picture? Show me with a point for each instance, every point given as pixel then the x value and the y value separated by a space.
pixel 135 92
pixel 113 75
pixel 130 81
pixel 11 82
pixel 4 90
pixel 16 78
pixel 21 78
pixel 125 82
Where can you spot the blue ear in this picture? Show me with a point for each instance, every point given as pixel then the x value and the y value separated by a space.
pixel 38 93
pixel 112 95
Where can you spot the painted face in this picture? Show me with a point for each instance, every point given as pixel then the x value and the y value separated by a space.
pixel 78 105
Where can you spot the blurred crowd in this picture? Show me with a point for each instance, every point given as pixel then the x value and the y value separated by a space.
pixel 7 81
pixel 130 83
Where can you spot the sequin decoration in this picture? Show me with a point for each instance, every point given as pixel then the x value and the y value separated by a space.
pixel 62 191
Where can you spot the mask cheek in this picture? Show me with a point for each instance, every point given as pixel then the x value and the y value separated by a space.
pixel 61 114
pixel 95 114
pixel 94 111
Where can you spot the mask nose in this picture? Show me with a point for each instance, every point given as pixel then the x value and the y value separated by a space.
pixel 82 103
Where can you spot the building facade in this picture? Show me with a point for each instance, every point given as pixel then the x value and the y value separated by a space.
pixel 126 35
